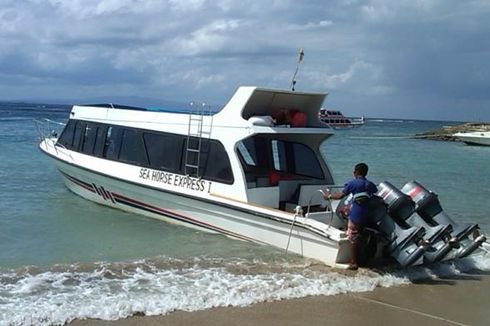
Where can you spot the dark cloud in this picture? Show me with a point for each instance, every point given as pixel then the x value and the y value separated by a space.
pixel 414 59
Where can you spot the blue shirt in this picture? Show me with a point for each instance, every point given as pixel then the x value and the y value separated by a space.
pixel 359 211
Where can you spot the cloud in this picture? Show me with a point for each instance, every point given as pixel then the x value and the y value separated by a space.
pixel 210 38
pixel 373 54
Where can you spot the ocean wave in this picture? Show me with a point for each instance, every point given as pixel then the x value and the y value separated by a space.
pixel 110 291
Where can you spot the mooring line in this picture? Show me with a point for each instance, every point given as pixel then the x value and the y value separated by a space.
pixel 412 311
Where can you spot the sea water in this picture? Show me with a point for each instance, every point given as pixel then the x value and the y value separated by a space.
pixel 63 257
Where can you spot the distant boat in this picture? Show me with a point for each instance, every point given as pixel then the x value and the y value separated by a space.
pixel 474 137
pixel 336 120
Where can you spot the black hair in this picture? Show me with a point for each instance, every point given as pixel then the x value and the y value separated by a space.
pixel 361 169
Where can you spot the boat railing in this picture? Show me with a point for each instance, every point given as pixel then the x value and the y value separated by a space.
pixel 298 212
pixel 328 207
pixel 47 129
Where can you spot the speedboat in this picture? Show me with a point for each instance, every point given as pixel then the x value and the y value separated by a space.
pixel 336 120
pixel 238 172
pixel 474 137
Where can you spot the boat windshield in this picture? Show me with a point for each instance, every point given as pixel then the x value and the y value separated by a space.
pixel 261 156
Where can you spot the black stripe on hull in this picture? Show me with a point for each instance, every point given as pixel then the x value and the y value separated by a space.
pixel 85 185
pixel 120 199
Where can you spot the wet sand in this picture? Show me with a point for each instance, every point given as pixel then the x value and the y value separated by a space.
pixel 457 300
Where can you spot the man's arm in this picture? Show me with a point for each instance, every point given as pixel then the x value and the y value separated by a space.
pixel 336 195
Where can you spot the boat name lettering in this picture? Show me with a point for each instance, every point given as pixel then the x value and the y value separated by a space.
pixel 189 183
pixel 172 179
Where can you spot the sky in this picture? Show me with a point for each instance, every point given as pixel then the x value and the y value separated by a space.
pixel 409 59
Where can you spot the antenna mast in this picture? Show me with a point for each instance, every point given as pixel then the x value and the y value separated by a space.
pixel 301 54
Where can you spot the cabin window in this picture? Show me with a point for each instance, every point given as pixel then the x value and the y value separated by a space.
pixel 216 162
pixel 164 151
pixel 251 150
pixel 295 158
pixel 246 148
pixel 89 136
pixel 66 137
pixel 132 148
pixel 306 161
pixel 155 150
pixel 100 141
pixel 245 154
pixel 279 155
pixel 79 129
pixel 113 142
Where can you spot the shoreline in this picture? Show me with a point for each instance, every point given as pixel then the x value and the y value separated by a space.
pixel 455 300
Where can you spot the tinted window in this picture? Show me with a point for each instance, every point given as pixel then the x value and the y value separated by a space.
pixel 132 148
pixel 113 142
pixel 247 152
pixel 157 150
pixel 89 136
pixel 279 155
pixel 306 162
pixel 66 138
pixel 79 129
pixel 164 151
pixel 217 165
pixel 100 141
pixel 295 158
pixel 251 151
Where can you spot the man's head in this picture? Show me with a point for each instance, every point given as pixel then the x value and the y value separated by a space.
pixel 361 169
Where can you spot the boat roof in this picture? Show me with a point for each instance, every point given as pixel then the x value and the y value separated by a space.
pixel 255 101
pixel 246 102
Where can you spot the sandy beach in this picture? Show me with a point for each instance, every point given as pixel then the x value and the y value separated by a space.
pixel 457 300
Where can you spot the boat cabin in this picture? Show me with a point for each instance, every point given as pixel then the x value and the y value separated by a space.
pixel 262 148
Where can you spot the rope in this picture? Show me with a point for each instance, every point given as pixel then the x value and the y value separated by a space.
pixel 297 212
pixel 410 310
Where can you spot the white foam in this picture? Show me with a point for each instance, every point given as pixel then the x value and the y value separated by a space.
pixel 114 291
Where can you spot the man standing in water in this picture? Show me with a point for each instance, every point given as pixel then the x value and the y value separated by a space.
pixel 361 190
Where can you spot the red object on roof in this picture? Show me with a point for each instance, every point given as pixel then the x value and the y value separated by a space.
pixel 298 119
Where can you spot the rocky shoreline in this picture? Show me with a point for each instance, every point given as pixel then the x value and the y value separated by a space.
pixel 446 133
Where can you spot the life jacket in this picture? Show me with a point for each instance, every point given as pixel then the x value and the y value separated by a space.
pixel 298 119
pixel 361 197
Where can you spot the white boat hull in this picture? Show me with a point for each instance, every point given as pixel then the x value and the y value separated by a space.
pixel 206 215
pixel 474 138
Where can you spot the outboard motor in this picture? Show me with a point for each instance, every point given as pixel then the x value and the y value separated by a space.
pixel 429 207
pixel 405 243
pixel 402 209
